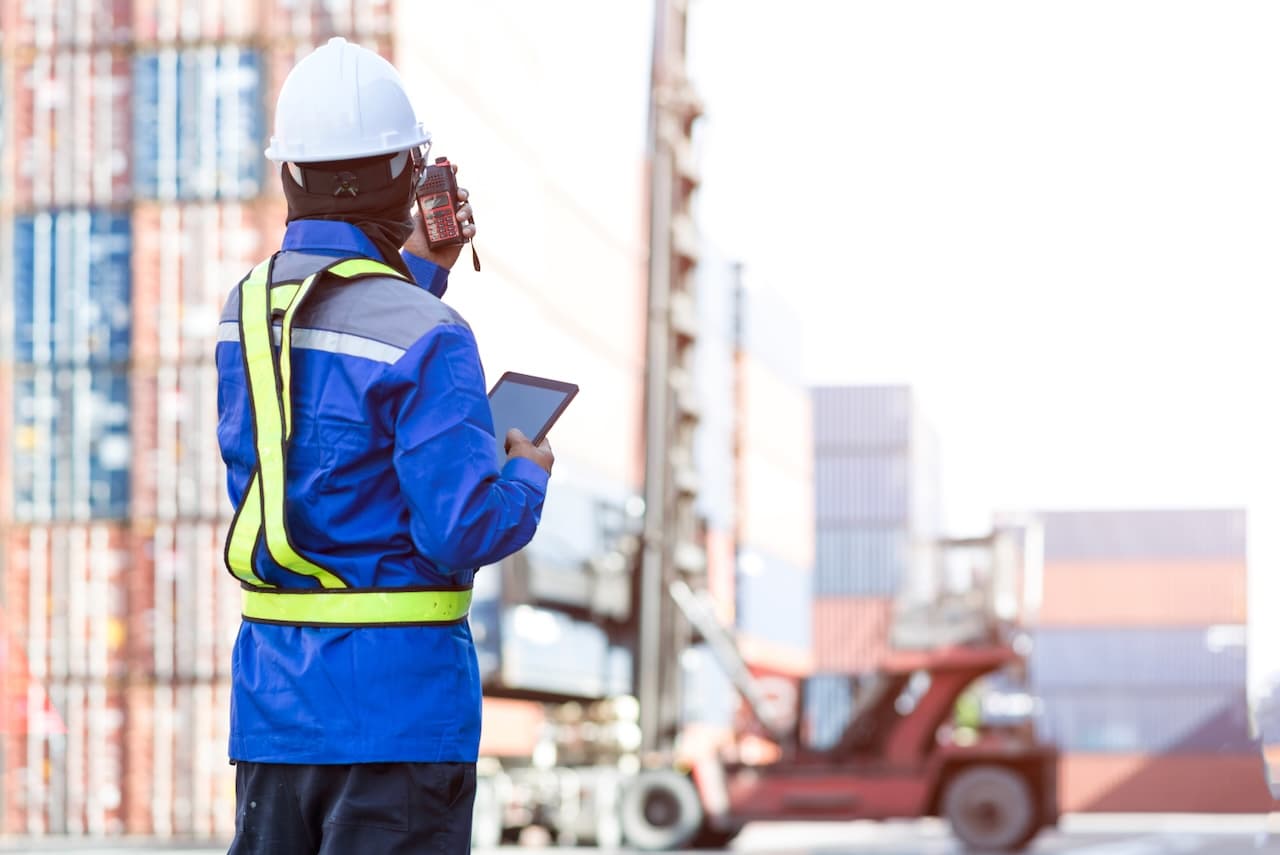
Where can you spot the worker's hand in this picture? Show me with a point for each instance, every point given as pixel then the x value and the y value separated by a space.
pixel 518 445
pixel 445 256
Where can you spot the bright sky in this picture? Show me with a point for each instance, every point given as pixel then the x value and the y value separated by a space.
pixel 1058 221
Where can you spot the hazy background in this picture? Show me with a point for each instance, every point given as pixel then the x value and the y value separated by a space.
pixel 1057 221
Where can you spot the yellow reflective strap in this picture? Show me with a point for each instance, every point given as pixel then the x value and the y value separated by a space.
pixel 355 607
pixel 352 267
pixel 282 296
pixel 269 403
pixel 298 293
pixel 242 539
pixel 246 526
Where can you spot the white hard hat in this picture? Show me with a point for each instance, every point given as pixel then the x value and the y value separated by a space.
pixel 340 102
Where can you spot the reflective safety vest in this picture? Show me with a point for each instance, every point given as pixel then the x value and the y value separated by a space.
pixel 261 520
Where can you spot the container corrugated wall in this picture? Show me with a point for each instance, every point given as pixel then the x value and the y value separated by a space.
pixel 134 196
pixel 876 500
pixel 1192 657
pixel 1139 658
pixel 851 634
pixel 1185 783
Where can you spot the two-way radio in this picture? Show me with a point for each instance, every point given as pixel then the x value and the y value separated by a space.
pixel 437 195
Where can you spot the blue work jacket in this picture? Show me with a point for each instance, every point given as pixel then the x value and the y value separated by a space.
pixel 392 481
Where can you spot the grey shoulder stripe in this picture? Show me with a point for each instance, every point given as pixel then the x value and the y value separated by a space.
pixel 346 344
pixel 327 341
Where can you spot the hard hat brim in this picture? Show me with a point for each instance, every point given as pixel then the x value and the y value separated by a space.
pixel 276 154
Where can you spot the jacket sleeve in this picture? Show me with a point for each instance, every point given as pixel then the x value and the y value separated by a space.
pixel 463 513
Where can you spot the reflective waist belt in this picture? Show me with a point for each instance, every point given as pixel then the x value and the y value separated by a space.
pixel 355 607
pixel 261 517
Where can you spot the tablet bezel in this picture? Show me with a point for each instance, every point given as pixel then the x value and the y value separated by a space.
pixel 569 389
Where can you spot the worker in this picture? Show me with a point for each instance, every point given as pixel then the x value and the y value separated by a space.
pixel 361 459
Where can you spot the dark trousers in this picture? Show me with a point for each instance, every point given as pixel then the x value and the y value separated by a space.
pixel 363 809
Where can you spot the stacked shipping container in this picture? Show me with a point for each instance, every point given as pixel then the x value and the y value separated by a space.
pixel 1139 660
pixel 135 196
pixel 876 489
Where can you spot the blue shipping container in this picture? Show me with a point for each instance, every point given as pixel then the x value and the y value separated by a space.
pixel 871 488
pixel 860 561
pixel 198 123
pixel 71 449
pixel 861 418
pixel 774 601
pixel 1092 657
pixel 71 286
pixel 1158 721
pixel 1149 535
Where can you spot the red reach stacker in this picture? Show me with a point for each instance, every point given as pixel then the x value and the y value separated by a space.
pixel 897 758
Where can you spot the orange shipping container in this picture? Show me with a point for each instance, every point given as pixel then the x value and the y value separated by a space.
pixel 1184 783
pixel 1144 593
pixel 850 634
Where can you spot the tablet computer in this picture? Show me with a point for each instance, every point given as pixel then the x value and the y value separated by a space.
pixel 529 403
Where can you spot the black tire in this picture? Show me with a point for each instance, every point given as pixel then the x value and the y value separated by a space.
pixel 660 810
pixel 991 808
pixel 713 838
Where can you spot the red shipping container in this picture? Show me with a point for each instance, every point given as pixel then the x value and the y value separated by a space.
pixel 169 21
pixel 184 606
pixel 66 599
pixel 177 470
pixel 313 22
pixel 72 126
pixel 1185 783
pixel 179 782
pixel 1144 593
pixel 68 780
pixel 186 260
pixel 61 25
pixel 850 634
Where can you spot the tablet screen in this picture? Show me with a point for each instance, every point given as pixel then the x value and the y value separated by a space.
pixel 531 404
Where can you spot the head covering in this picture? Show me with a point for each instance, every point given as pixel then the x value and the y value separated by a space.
pixel 341 190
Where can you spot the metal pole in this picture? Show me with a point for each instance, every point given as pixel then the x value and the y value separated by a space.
pixel 650 646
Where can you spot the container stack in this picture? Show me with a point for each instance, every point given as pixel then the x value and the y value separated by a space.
pixel 1139 661
pixel 136 196
pixel 876 487
pixel 67 239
